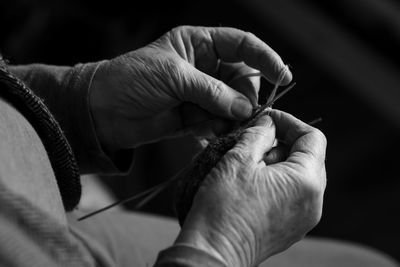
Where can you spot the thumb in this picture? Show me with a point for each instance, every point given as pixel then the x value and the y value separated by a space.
pixel 214 96
pixel 258 139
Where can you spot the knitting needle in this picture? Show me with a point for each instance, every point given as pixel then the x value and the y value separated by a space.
pixel 120 202
pixel 151 192
pixel 160 187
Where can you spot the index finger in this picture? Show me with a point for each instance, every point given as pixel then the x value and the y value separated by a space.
pixel 233 45
pixel 302 139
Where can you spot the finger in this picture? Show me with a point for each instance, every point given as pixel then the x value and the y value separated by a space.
pixel 235 76
pixel 257 140
pixel 233 45
pixel 302 138
pixel 213 95
pixel 276 154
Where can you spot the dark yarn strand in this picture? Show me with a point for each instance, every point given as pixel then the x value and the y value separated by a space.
pixel 60 153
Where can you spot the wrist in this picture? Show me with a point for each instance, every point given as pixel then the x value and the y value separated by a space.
pixel 196 240
pixel 224 243
pixel 102 116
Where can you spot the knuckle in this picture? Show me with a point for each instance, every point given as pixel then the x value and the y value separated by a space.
pixel 238 156
pixel 253 130
pixel 320 136
pixel 172 67
pixel 186 30
pixel 179 29
pixel 257 131
pixel 317 142
pixel 215 89
pixel 243 43
pixel 257 134
pixel 246 35
pixel 171 71
pixel 250 35
pixel 176 63
pixel 177 32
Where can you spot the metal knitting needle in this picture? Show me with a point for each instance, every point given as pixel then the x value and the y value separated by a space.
pixel 269 103
pixel 120 202
pixel 151 192
pixel 315 121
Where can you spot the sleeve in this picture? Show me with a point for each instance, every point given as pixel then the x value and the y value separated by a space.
pixel 65 91
pixel 186 256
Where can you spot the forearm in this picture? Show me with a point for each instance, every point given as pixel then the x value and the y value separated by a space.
pixel 65 91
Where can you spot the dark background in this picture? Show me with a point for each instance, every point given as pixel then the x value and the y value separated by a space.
pixel 344 56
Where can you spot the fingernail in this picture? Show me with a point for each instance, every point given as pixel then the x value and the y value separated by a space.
pixel 241 108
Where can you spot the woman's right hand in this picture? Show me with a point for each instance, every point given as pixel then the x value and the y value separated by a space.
pixel 258 200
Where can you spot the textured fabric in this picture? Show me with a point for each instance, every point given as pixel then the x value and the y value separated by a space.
pixel 124 238
pixel 60 153
pixel 65 91
pixel 29 237
pixel 33 227
pixel 25 168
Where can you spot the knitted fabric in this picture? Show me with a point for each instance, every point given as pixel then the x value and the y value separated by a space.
pixel 191 179
pixel 59 151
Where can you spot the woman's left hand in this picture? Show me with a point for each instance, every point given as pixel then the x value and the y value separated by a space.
pixel 179 83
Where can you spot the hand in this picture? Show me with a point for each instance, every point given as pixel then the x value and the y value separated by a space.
pixel 258 201
pixel 179 83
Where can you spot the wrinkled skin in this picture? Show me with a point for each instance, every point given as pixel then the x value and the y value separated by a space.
pixel 254 204
pixel 179 84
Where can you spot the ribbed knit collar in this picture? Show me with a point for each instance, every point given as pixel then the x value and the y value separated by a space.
pixel 58 149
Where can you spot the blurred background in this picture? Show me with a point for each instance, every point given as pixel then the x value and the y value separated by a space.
pixel 345 60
